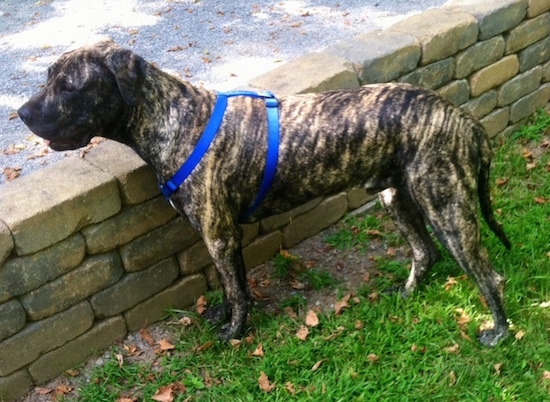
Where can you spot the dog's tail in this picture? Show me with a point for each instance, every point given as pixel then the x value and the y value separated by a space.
pixel 483 186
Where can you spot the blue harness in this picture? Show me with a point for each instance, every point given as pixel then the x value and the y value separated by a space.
pixel 172 185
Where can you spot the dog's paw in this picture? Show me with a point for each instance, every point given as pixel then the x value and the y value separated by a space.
pixel 215 314
pixel 491 337
pixel 228 332
pixel 399 290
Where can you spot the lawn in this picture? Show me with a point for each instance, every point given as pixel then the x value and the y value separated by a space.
pixel 378 346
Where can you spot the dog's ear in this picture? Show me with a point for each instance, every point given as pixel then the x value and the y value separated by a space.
pixel 129 71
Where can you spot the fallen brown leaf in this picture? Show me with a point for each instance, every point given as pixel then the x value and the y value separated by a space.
pixel 451 282
pixel 290 312
pixel 527 155
pixel 312 320
pixel 185 321
pixel 205 346
pixel 264 383
pixel 452 349
pixel 12 173
pixel 120 359
pixel 235 343
pixel 452 378
pixel 202 304
pixel 318 364
pixel 164 394
pixel 175 49
pixel 502 182
pixel 259 351
pixel 546 375
pixel 42 391
pixel 519 335
pixel 373 358
pixel 302 333
pixel 290 388
pixel 146 336
pixel 164 345
pixel 465 336
pixel 497 367
pixel 339 306
pixel 462 318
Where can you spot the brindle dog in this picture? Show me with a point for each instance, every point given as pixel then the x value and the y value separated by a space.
pixel 428 159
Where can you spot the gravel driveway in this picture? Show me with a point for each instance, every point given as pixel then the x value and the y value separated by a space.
pixel 218 43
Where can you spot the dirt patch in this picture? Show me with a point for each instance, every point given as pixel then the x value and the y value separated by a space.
pixel 344 269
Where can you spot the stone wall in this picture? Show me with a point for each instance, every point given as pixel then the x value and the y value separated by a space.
pixel 89 250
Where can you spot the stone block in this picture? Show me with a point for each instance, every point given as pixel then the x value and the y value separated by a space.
pixel 537 7
pixel 482 105
pixel 94 274
pixel 534 55
pixel 136 180
pixel 494 75
pixel 6 242
pixel 72 354
pixel 496 122
pixel 494 16
pixel 379 56
pixel 180 296
pixel 262 249
pixel 212 279
pixel 546 72
pixel 527 33
pixel 275 222
pixel 250 232
pixel 134 288
pixel 71 195
pixel 358 197
pixel 157 245
pixel 458 92
pixel 43 336
pixel 306 225
pixel 15 385
pixel 194 258
pixel 433 75
pixel 130 223
pixel 480 55
pixel 13 318
pixel 314 72
pixel 21 275
pixel 529 104
pixel 519 86
pixel 448 32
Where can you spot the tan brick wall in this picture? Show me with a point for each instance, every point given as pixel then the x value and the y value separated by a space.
pixel 92 251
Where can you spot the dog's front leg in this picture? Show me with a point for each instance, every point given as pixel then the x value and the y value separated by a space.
pixel 226 253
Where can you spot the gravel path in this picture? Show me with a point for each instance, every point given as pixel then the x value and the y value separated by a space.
pixel 218 43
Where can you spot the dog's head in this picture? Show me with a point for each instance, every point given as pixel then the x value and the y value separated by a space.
pixel 86 92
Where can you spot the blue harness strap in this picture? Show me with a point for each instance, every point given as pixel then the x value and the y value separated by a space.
pixel 272 105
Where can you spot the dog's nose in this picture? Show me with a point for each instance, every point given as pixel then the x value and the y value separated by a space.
pixel 24 114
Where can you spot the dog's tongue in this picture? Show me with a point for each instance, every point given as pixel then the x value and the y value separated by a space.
pixel 47 142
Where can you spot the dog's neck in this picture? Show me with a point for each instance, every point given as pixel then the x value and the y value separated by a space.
pixel 183 110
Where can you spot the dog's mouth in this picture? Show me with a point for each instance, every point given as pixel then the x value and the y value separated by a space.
pixel 53 135
pixel 68 144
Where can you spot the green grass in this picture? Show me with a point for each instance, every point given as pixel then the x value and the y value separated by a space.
pixel 387 348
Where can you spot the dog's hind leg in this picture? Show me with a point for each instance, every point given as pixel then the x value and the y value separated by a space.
pixel 454 219
pixel 409 221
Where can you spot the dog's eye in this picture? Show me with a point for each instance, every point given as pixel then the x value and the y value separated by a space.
pixel 67 86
